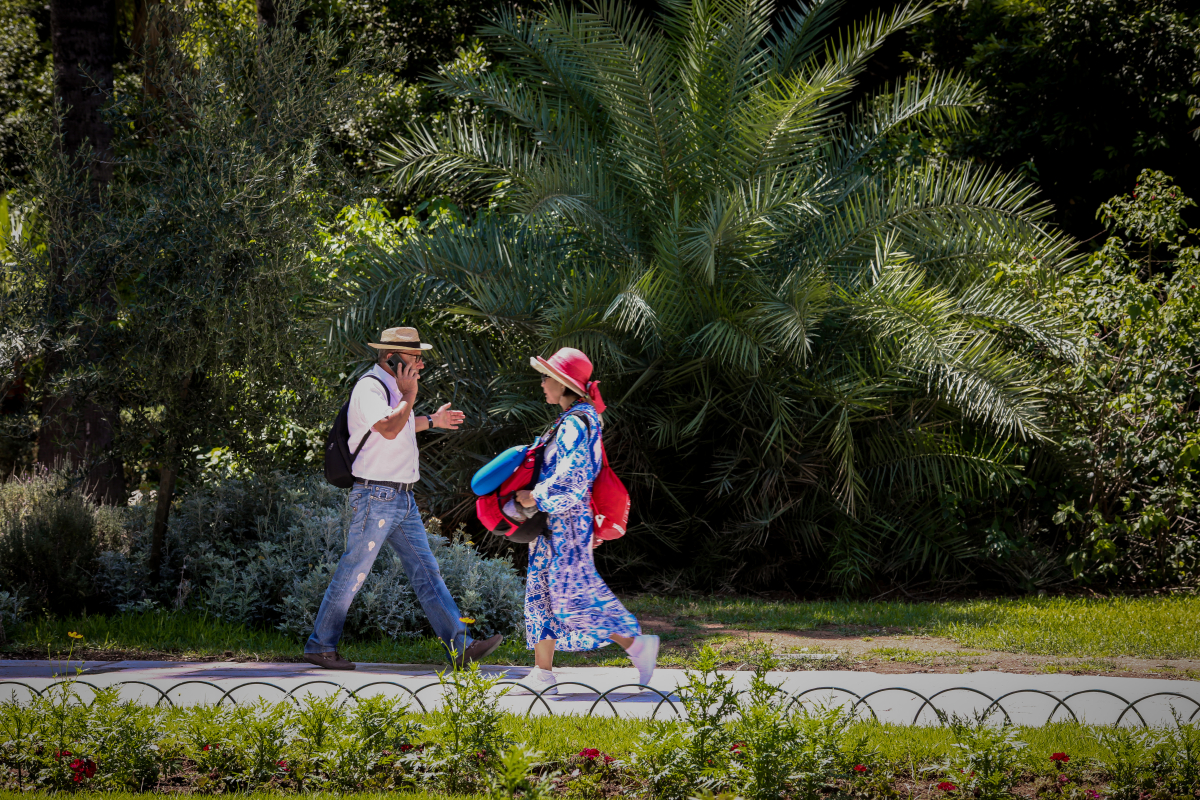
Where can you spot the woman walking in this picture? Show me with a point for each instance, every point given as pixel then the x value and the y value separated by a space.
pixel 567 604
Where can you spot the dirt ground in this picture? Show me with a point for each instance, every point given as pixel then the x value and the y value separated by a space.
pixel 892 651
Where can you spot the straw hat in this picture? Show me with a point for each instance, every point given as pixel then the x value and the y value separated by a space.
pixel 405 340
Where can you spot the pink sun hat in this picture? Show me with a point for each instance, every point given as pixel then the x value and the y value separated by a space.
pixel 572 369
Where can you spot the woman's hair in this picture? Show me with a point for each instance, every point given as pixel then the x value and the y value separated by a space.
pixel 569 392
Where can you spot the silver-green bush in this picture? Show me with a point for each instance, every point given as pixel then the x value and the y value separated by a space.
pixel 262 550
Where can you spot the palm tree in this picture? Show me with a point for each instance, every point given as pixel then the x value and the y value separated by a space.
pixel 790 301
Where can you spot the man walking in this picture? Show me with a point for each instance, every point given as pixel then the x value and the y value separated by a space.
pixel 382 504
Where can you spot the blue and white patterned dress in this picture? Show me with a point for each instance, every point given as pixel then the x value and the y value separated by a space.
pixel 565 598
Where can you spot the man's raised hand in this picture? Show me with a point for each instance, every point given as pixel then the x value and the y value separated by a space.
pixel 447 418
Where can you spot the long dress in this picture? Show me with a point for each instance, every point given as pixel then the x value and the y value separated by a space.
pixel 565 598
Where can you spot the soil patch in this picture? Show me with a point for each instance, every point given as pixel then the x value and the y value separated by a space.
pixel 890 651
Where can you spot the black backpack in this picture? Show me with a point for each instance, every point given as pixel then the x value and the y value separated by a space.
pixel 339 461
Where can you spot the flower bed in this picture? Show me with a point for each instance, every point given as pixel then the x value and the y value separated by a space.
pixel 762 746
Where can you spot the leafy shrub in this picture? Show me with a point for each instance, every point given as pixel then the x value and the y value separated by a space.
pixel 780 752
pixel 470 736
pixel 1127 763
pixel 1152 764
pixel 512 777
pixel 50 535
pixel 984 761
pixel 681 759
pixel 56 742
pixel 765 746
pixel 261 550
pixel 12 609
pixel 1130 413
pixel 1176 758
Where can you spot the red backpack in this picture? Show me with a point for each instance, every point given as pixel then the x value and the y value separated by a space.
pixel 610 499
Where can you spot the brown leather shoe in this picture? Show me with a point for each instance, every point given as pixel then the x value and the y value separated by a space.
pixel 329 660
pixel 480 648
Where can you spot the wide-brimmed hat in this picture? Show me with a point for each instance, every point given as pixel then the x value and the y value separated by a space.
pixel 572 369
pixel 405 340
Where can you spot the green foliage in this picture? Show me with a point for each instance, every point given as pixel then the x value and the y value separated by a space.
pixel 55 742
pixel 680 760
pixel 764 746
pixel 26 80
pixel 50 536
pixel 471 737
pixel 784 753
pixel 1081 94
pixel 511 781
pixel 985 759
pixel 177 297
pixel 805 358
pixel 335 744
pixel 1129 412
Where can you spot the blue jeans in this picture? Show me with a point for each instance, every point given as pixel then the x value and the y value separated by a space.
pixel 379 515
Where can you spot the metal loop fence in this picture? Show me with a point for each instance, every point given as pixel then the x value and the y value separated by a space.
pixel 859 704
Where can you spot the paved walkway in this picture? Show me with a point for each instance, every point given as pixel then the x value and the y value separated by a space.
pixel 1028 699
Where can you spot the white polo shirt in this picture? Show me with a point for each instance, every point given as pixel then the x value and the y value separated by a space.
pixel 381 459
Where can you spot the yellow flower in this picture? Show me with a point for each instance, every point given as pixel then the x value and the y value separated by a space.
pixel 468 620
pixel 74 635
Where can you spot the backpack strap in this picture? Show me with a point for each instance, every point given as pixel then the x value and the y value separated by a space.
pixel 587 422
pixel 363 440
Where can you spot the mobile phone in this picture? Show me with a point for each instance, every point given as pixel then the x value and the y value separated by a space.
pixel 395 361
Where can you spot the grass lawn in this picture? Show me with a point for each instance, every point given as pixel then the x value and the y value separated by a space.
pixel 1147 627
pixel 560 737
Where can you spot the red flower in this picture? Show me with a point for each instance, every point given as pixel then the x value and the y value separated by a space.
pixel 947 786
pixel 590 753
pixel 404 748
pixel 737 747
pixel 859 768
pixel 282 764
pixel 1062 758
pixel 608 759
pixel 62 753
pixel 83 768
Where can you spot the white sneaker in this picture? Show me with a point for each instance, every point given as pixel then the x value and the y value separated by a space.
pixel 644 655
pixel 538 680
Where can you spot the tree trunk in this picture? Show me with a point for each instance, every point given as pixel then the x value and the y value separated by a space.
pixel 82 439
pixel 162 511
pixel 166 489
pixel 266 14
pixel 83 34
